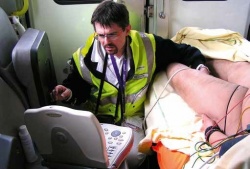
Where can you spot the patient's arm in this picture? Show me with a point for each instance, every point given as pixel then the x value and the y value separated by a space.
pixel 211 96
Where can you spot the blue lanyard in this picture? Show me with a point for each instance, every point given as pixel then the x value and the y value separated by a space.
pixel 122 81
pixel 121 78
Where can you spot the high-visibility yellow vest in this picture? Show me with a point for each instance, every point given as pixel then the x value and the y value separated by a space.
pixel 143 54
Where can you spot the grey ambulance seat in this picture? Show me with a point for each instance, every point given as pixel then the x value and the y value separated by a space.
pixel 74 139
pixel 18 92
pixel 13 99
pixel 8 40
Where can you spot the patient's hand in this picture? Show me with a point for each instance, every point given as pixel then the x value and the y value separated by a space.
pixel 204 70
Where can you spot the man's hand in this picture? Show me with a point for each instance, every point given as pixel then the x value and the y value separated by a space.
pixel 60 93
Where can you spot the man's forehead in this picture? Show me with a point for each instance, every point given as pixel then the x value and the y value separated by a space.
pixel 107 28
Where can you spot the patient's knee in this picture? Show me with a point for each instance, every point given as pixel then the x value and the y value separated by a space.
pixel 245 112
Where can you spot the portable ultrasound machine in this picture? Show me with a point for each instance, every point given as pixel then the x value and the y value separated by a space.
pixel 73 139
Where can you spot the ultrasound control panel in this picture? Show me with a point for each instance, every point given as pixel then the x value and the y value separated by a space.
pixel 119 141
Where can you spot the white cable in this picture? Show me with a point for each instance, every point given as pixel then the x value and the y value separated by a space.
pixel 144 121
pixel 206 162
pixel 17 25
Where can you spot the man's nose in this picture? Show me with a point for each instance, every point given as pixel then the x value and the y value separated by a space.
pixel 106 39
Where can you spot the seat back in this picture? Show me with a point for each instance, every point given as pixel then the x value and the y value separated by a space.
pixel 8 39
pixel 11 117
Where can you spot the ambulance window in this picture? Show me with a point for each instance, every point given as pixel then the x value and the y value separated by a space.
pixel 70 2
pixel 204 0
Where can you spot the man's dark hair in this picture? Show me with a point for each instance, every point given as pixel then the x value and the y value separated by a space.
pixel 109 12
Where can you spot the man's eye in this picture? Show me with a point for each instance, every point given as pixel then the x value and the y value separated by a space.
pixel 111 35
pixel 101 36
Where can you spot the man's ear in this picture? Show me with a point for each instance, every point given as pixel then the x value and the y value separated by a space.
pixel 127 29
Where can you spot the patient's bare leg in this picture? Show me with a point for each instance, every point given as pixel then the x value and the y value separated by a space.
pixel 211 96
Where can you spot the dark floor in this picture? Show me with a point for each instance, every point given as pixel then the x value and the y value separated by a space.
pixel 35 165
pixel 150 162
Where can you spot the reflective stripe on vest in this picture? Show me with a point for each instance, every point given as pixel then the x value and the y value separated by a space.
pixel 150 54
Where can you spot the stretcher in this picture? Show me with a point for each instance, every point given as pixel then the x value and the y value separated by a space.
pixel 173 129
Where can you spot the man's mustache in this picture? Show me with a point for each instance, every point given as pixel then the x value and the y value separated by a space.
pixel 109 45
